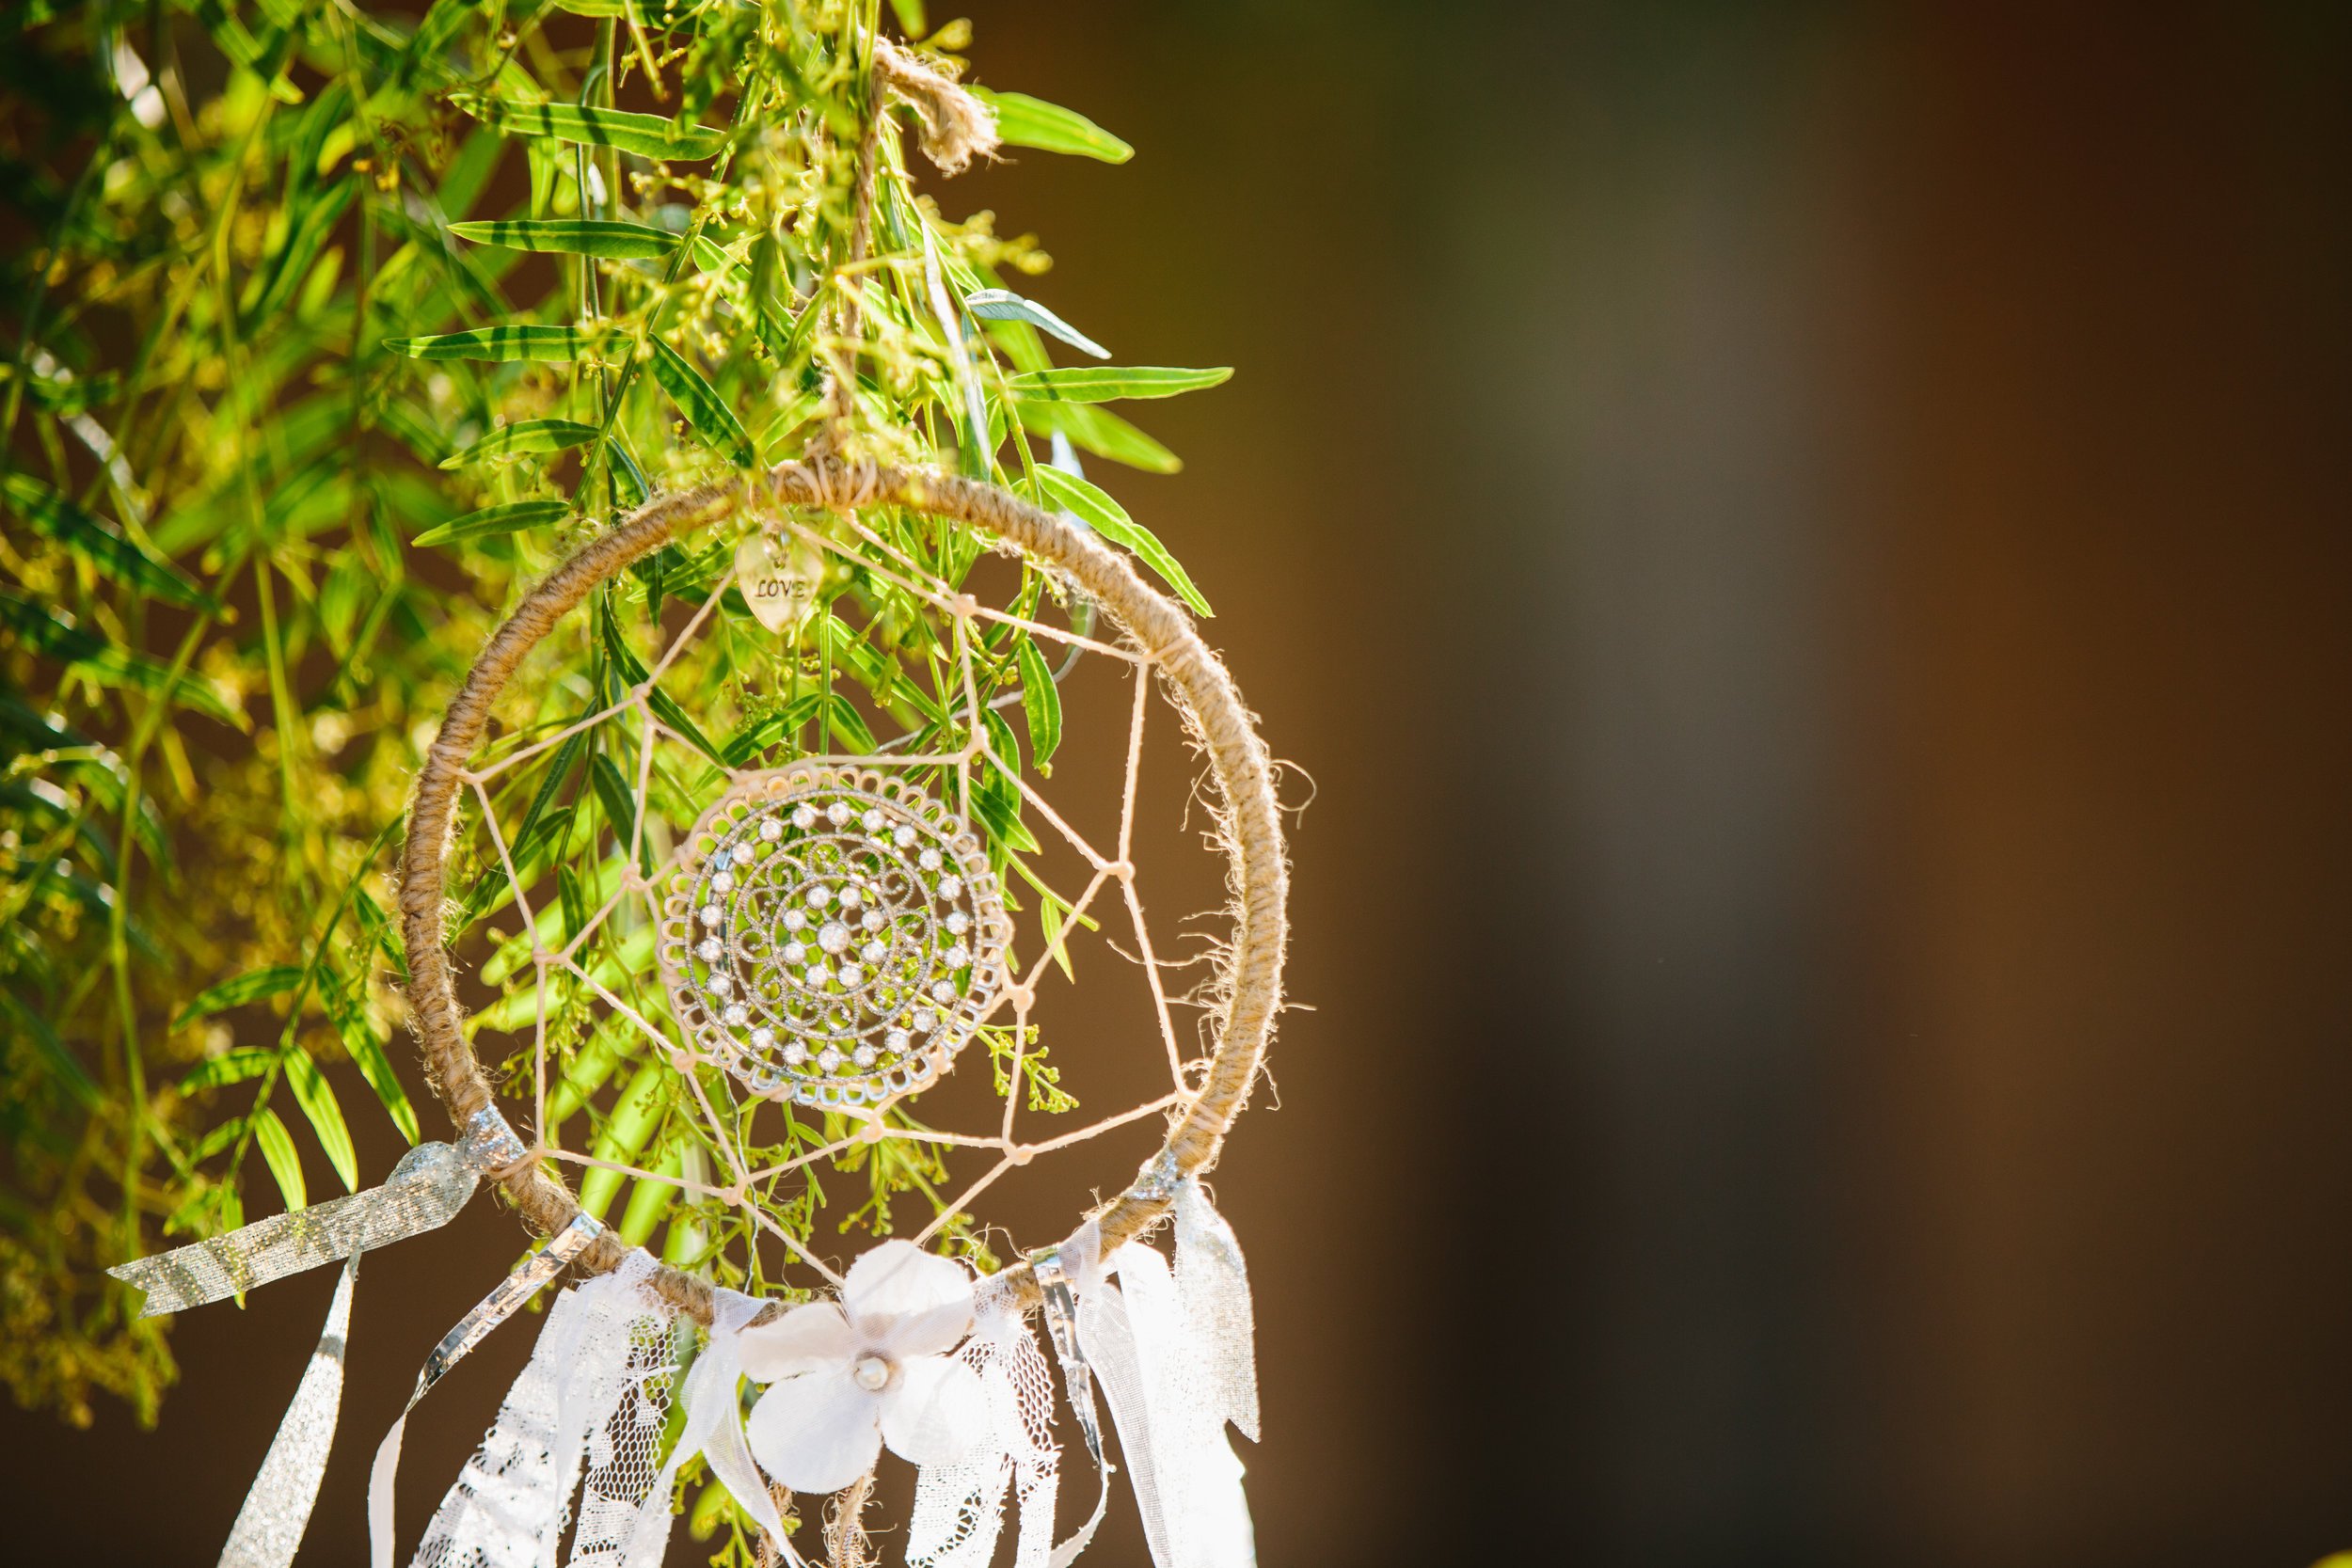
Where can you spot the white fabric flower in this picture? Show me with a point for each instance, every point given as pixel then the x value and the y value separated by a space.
pixel 869 1370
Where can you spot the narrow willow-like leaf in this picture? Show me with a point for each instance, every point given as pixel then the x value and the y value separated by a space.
pixel 635 490
pixel 44 631
pixel 316 1097
pixel 700 401
pixel 996 802
pixel 59 520
pixel 493 521
pixel 537 822
pixel 848 725
pixel 1092 428
pixel 230 1067
pixel 1108 519
pixel 252 987
pixel 664 707
pixel 1041 702
pixel 604 238
pixel 309 233
pixel 798 410
pixel 613 793
pixel 522 436
pixel 1104 382
pixel 1003 304
pixel 1025 121
pixel 368 1054
pixel 277 1149
pixel 30 1025
pixel 557 344
pixel 647 135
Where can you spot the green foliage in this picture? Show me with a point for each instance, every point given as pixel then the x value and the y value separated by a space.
pixel 342 323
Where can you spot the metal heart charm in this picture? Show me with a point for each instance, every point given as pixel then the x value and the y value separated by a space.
pixel 779 580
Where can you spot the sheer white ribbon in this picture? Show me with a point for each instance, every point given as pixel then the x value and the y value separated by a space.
pixel 1172 1353
pixel 714 1428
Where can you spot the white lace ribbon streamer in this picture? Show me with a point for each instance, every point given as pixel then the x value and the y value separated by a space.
pixel 713 1428
pixel 612 1392
pixel 277 1510
pixel 493 1309
pixel 424 1192
pixel 959 1507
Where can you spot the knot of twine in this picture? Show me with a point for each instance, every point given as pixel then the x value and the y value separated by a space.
pixel 832 482
pixel 957 126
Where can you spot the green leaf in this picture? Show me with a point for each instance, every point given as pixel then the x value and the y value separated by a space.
pixel 317 221
pixel 1108 519
pixel 599 237
pixel 664 707
pixel 1025 121
pixel 996 803
pixel 277 1147
pixel 847 723
pixel 317 1099
pixel 1040 702
pixel 493 521
pixel 557 344
pixel 60 521
pixel 367 1053
pixel 584 1076
pixel 46 632
pixel 634 1119
pixel 647 135
pixel 648 1201
pixel 712 419
pixel 613 793
pixel 523 436
pixel 1101 383
pixel 626 473
pixel 251 987
pixel 62 1064
pixel 233 1067
pixel 1095 429
pixel 536 823
pixel 1003 304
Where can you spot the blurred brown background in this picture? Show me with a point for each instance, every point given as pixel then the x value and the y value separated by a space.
pixel 1804 549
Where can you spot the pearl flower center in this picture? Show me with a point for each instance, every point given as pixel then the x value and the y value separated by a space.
pixel 870 1372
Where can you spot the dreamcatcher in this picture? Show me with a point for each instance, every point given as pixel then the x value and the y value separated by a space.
pixel 797 955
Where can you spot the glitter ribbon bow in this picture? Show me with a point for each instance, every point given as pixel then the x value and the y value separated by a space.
pixel 426 1190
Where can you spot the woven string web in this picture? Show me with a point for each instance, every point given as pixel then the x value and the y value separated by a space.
pixel 596 1033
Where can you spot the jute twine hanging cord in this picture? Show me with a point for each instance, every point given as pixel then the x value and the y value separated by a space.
pixel 1250 990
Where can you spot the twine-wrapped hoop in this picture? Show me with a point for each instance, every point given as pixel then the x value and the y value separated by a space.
pixel 1238 764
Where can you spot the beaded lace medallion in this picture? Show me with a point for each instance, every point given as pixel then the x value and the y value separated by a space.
pixel 832 936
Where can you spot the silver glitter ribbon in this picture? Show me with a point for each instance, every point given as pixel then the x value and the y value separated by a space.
pixel 527 1280
pixel 277 1510
pixel 426 1190
pixel 1062 1328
